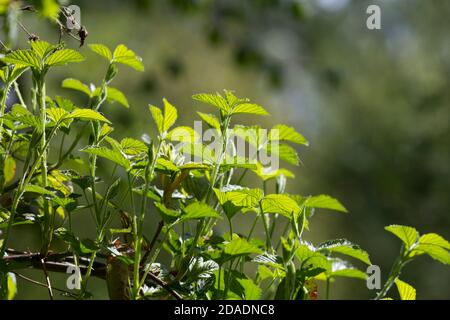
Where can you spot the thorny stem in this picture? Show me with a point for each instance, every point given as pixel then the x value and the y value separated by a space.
pixel 213 181
pixel 48 228
pixel 149 170
pixel 3 107
pixel 93 166
pixel 26 178
pixel 394 273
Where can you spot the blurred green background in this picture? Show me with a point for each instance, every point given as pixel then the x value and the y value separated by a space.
pixel 374 104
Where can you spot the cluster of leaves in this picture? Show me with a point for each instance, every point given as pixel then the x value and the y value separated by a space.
pixel 45 185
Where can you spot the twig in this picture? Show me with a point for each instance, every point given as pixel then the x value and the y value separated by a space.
pixel 99 268
pixel 152 243
pixel 165 286
pixel 47 279
pixel 42 284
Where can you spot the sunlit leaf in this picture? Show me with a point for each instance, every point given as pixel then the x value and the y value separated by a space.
pixel 435 246
pixel 215 100
pixel 112 155
pixel 198 210
pixel 116 95
pixel 157 117
pixel 183 134
pixel 126 56
pixel 239 246
pixel 251 290
pixel 132 146
pixel 56 114
pixel 324 202
pixel 42 48
pixel 101 50
pixel 26 58
pixel 76 84
pixel 166 165
pixel 267 173
pixel 37 189
pixel 408 235
pixel 284 152
pixel 87 114
pixel 241 197
pixel 210 120
pixel 282 132
pixel 345 247
pixel 280 203
pixel 170 115
pixel 11 285
pixel 62 57
pixel 250 108
pixel 406 291
pixel 9 169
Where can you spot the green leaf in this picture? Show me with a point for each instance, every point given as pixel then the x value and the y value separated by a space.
pixel 251 290
pixel 22 115
pixel 11 285
pixel 349 273
pixel 9 169
pixel 157 117
pixel 282 132
pixel 435 246
pixel 15 73
pixel 38 189
pixel 101 50
pixel 56 114
pixel 26 58
pixel 183 134
pixel 247 198
pixel 85 246
pixel 65 103
pixel 198 210
pixel 170 115
pixel 76 84
pixel 253 135
pixel 112 155
pixel 168 215
pixel 408 235
pixel 87 114
pixel 310 258
pixel 284 152
pixel 105 130
pixel 210 120
pixel 280 203
pixel 345 247
pixel 116 95
pixel 324 202
pixel 250 108
pixel 126 56
pixel 166 165
pixel 195 166
pixel 215 100
pixel 406 291
pixel 132 147
pixel 433 239
pixel 164 122
pixel 234 199
pixel 240 246
pixel 42 48
pixel 62 57
pixel 267 173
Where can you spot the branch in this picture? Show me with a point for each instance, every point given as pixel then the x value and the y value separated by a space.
pixel 59 262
